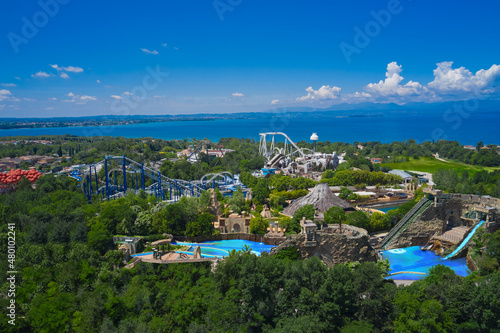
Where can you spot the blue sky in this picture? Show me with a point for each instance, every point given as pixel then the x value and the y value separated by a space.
pixel 92 58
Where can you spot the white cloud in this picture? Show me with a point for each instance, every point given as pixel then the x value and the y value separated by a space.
pixel 41 74
pixel 98 81
pixel 49 108
pixel 237 94
pixel 8 84
pixel 164 44
pixel 448 84
pixel 79 99
pixel 150 52
pixel 159 96
pixel 72 69
pixel 322 94
pixel 127 93
pixel 29 99
pixel 116 97
pixel 391 86
pixel 448 80
pixel 64 75
pixel 275 101
pixel 53 99
pixel 5 94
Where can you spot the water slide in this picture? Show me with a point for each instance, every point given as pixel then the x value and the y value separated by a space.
pixel 418 209
pixel 465 241
pixel 76 175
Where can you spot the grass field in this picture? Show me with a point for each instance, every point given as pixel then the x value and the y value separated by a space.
pixel 426 164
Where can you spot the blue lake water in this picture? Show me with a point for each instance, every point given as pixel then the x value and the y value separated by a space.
pixel 421 126
pixel 412 259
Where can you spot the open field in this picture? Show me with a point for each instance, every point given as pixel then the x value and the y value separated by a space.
pixel 426 164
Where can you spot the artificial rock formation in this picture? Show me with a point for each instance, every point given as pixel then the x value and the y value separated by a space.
pixel 321 197
pixel 332 246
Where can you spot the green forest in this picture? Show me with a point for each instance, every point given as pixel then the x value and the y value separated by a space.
pixel 71 279
pixel 71 276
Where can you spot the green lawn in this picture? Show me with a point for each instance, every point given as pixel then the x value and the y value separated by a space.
pixel 426 164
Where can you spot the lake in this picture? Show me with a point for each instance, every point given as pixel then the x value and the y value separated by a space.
pixel 480 126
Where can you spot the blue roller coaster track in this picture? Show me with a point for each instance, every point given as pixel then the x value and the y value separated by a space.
pixel 122 174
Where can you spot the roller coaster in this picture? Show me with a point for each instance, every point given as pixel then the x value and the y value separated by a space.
pixel 290 157
pixel 122 174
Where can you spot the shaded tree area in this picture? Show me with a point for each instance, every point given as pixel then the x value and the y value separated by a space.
pixel 480 183
pixel 71 278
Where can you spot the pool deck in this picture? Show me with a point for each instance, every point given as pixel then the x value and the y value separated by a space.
pixel 169 258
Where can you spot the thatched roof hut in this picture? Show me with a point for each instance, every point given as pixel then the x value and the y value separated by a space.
pixel 322 198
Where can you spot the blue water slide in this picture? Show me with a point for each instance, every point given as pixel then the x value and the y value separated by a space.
pixel 465 241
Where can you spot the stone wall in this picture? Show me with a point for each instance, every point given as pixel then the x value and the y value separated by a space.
pixel 432 221
pixel 471 264
pixel 333 248
pixel 250 237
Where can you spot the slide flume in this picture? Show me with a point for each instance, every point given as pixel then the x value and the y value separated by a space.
pixel 465 241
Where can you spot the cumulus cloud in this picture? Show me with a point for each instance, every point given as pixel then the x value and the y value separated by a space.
pixel 72 69
pixel 8 84
pixel 449 84
pixel 41 74
pixel 150 52
pixel 79 99
pixel 275 101
pixel 5 94
pixel 64 75
pixel 322 94
pixel 116 97
pixel 448 80
pixel 237 94
pixel 98 81
pixel 128 93
pixel 392 87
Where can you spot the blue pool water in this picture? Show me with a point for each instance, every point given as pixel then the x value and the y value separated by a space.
pixel 412 259
pixel 223 247
pixel 386 209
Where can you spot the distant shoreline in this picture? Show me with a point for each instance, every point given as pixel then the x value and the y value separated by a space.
pixel 27 123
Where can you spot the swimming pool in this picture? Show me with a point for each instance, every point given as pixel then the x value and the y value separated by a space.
pixel 412 259
pixel 222 248
pixel 386 209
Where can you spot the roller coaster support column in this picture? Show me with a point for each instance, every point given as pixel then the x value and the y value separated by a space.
pixel 124 175
pixel 96 182
pixel 89 190
pixel 107 178
pixel 142 177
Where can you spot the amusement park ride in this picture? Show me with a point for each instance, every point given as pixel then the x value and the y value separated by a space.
pixel 121 174
pixel 115 175
pixel 289 157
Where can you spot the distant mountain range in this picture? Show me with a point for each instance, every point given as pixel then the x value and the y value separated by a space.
pixel 366 109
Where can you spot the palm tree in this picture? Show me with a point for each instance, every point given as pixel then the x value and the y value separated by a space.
pixel 246 249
